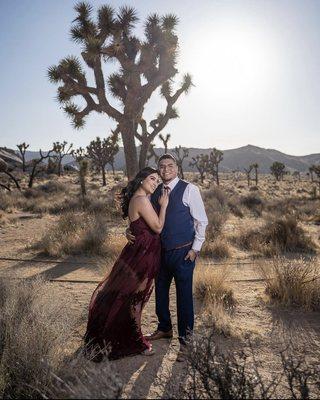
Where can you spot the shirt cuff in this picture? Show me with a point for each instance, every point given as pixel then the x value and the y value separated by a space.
pixel 197 244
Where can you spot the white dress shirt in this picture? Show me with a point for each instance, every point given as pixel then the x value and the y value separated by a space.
pixel 192 199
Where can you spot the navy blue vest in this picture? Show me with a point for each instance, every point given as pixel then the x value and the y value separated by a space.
pixel 179 225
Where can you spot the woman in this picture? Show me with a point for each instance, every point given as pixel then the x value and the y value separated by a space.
pixel 114 322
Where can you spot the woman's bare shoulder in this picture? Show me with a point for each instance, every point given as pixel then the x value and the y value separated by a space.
pixel 137 200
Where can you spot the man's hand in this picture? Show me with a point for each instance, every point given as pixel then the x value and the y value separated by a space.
pixel 192 255
pixel 130 237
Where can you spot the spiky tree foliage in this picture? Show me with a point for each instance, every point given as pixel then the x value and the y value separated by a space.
pixel 248 173
pixel 144 65
pixel 278 170
pixel 201 163
pixel 152 154
pixel 215 158
pixel 102 152
pixel 165 140
pixel 61 150
pixel 35 166
pixel 22 149
pixel 180 153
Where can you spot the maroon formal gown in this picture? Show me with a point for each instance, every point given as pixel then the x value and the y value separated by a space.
pixel 114 321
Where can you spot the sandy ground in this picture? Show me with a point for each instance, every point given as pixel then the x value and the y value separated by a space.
pixel 76 277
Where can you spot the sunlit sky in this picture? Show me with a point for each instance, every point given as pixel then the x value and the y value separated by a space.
pixel 255 66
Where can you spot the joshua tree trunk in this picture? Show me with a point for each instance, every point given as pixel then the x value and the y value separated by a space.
pixel 130 152
pixel 143 153
pixel 103 170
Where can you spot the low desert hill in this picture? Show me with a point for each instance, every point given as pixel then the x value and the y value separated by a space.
pixel 233 159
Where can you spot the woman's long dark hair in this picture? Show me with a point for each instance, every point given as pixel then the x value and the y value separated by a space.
pixel 127 192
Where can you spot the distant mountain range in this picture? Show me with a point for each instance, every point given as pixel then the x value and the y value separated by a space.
pixel 233 159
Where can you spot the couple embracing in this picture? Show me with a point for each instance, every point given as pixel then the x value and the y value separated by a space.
pixel 165 235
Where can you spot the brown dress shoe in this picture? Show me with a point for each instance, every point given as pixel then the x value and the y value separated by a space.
pixel 159 335
pixel 182 355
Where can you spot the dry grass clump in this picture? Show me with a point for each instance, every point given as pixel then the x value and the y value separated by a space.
pixel 235 206
pixel 217 211
pixel 276 237
pixel 6 201
pixel 81 379
pixel 34 330
pixel 293 282
pixel 211 287
pixel 218 248
pixel 78 233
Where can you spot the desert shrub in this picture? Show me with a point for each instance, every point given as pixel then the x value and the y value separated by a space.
pixel 211 287
pixel 35 325
pixel 3 219
pixel 35 328
pixel 81 379
pixel 234 204
pixel 286 235
pixel 32 193
pixel 214 373
pixel 217 211
pixel 275 237
pixel 6 201
pixel 77 233
pixel 293 282
pixel 218 248
pixel 52 186
pixel 216 193
pixel 251 201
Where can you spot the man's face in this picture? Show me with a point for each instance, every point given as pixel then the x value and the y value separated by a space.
pixel 168 170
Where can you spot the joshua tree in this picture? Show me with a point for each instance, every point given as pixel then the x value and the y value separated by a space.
pixel 278 170
pixel 296 175
pixel 144 66
pixel 35 164
pixel 61 150
pixel 248 173
pixel 102 152
pixel 83 171
pixel 152 153
pixel 113 148
pixel 22 149
pixel 4 168
pixel 181 153
pixel 165 141
pixel 311 170
pixel 215 157
pixel 316 170
pixel 255 166
pixel 201 163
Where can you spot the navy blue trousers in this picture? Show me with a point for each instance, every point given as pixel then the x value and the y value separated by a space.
pixel 174 266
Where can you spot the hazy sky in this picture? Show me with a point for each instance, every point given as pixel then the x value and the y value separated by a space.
pixel 255 65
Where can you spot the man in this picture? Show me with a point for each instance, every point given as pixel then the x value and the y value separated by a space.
pixel 182 237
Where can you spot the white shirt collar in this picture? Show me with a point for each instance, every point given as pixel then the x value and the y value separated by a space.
pixel 173 183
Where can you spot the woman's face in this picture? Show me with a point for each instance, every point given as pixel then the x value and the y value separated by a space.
pixel 150 183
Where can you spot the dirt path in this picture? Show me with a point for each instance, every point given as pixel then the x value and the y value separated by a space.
pixel 253 315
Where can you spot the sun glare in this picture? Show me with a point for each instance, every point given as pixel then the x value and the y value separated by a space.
pixel 232 62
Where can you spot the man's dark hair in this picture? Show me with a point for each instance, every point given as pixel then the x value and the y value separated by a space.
pixel 167 156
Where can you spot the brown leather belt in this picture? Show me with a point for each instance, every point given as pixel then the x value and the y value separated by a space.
pixel 179 247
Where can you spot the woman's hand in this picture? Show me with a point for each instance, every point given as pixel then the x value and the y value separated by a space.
pixel 164 198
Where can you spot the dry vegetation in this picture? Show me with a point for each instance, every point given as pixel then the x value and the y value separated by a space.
pixel 36 326
pixel 293 282
pixel 272 220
